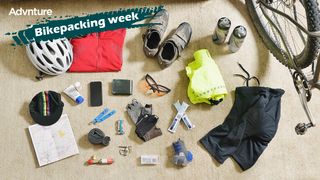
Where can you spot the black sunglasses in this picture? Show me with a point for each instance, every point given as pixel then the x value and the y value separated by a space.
pixel 155 87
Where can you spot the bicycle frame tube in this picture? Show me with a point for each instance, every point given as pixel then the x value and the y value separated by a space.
pixel 315 81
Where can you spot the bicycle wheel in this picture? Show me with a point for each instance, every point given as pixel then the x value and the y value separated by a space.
pixel 298 46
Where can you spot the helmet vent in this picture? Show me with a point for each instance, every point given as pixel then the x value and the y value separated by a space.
pixel 50 49
pixel 39 60
pixel 60 48
pixel 64 43
pixel 31 49
pixel 68 60
pixel 40 68
pixel 60 62
pixel 51 71
pixel 47 59
pixel 58 70
pixel 39 45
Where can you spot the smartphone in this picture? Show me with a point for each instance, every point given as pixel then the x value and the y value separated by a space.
pixel 96 93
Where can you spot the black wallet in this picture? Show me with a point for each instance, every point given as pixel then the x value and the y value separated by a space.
pixel 122 87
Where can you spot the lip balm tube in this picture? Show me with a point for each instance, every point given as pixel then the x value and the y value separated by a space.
pixel 73 93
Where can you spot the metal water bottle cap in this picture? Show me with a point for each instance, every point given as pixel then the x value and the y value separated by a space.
pixel 240 32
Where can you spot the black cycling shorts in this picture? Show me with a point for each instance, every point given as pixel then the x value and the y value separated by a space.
pixel 249 127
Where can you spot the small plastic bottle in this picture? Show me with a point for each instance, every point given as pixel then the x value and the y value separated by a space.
pixel 73 93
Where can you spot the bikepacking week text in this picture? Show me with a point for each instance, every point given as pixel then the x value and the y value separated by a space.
pixel 81 25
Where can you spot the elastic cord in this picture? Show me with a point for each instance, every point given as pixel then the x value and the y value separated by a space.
pixel 248 78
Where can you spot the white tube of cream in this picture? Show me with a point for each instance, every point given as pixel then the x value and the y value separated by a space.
pixel 73 93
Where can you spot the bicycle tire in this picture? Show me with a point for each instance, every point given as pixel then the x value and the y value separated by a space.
pixel 311 49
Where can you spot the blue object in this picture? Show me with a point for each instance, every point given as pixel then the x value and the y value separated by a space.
pixel 103 116
pixel 79 100
pixel 107 116
pixel 180 147
pixel 189 156
pixel 177 147
pixel 120 127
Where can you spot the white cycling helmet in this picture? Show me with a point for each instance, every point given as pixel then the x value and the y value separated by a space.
pixel 52 57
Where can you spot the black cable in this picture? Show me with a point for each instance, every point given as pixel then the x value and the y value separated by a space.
pixel 248 78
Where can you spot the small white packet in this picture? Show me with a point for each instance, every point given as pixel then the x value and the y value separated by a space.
pixel 150 159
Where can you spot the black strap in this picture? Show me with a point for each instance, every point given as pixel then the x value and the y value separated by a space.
pixel 248 78
pixel 40 76
pixel 215 102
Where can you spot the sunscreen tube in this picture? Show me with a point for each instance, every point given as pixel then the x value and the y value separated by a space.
pixel 181 111
pixel 73 93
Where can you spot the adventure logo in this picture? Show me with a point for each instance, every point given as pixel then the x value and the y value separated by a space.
pixel 70 27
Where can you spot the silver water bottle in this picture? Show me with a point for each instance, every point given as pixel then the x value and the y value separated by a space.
pixel 237 38
pixel 221 32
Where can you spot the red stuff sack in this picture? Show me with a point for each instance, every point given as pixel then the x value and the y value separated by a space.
pixel 98 52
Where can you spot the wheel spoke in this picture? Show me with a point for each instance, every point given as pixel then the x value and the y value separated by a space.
pixel 286 27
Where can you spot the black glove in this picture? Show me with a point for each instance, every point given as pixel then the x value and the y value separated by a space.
pixel 146 127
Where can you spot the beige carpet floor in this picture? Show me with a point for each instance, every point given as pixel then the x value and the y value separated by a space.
pixel 288 156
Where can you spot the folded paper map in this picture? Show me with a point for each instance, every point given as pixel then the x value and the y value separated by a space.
pixel 53 143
